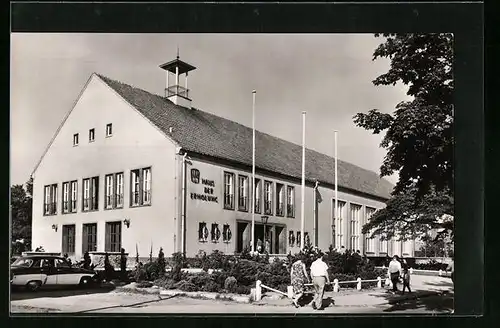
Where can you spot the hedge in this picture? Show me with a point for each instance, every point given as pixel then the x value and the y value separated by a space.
pixel 247 269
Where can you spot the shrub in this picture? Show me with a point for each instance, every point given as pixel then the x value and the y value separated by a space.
pixel 165 282
pixel 243 290
pixel 211 286
pixel 86 260
pixel 161 263
pixel 140 273
pixel 230 284
pixel 123 264
pixel 178 260
pixel 109 270
pixel 186 286
pixel 431 265
pixel 152 270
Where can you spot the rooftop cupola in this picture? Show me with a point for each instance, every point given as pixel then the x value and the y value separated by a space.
pixel 176 93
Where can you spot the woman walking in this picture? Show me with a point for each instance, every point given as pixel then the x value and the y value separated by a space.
pixel 298 277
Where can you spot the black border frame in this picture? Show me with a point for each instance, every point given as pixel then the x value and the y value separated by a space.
pixel 465 20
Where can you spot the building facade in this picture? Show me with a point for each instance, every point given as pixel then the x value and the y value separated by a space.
pixel 130 169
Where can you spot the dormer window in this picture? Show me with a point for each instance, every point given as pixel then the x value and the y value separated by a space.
pixel 91 135
pixel 109 130
pixel 75 139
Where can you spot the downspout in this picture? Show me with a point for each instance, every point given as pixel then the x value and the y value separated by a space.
pixel 315 214
pixel 183 206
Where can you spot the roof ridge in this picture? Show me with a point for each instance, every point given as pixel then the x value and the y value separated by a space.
pixel 189 139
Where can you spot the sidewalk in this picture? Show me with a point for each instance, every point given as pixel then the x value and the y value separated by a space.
pixel 422 286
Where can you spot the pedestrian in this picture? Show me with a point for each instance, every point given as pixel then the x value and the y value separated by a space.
pixel 320 277
pixel 267 246
pixel 394 272
pixel 298 277
pixel 406 279
pixel 259 246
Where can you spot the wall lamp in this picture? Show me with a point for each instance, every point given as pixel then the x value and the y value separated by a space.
pixel 127 222
pixel 54 227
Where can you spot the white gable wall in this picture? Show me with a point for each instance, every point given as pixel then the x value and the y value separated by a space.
pixel 135 143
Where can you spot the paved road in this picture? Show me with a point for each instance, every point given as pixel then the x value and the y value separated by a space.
pixel 118 302
pixel 106 300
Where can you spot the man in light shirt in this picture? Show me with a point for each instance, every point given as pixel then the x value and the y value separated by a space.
pixel 394 272
pixel 319 274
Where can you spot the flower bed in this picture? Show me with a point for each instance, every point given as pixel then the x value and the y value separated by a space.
pixel 238 274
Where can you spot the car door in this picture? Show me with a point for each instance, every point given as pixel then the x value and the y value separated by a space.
pixel 65 274
pixel 49 273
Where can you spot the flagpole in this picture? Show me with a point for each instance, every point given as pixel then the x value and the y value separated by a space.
pixel 302 216
pixel 336 190
pixel 253 172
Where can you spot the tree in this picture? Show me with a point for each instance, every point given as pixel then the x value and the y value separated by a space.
pixel 21 211
pixel 419 133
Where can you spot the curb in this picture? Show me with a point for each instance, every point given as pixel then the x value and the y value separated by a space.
pixel 173 292
pixel 415 296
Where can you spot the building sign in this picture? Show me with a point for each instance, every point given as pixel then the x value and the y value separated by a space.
pixel 208 188
pixel 195 175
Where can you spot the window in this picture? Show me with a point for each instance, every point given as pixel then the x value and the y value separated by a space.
pixel 369 242
pixel 228 191
pixel 339 223
pixel 69 197
pixel 60 263
pixel 243 193
pixel 258 195
pixel 65 200
pixel 74 195
pixel 91 135
pixel 75 139
pixel 90 194
pixel 109 130
pixel 113 236
pixel 89 237
pixel 50 200
pixel 268 197
pixel 383 245
pixel 291 238
pixel 202 232
pixel 298 239
pixel 290 201
pixel 119 190
pixel 280 199
pixel 215 233
pixel 226 233
pixel 68 239
pixel 354 230
pixel 140 187
pixel 407 247
pixel 113 191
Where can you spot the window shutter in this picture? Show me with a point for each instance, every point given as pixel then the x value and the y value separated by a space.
pixel 107 246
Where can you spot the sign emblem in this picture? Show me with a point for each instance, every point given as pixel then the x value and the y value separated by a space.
pixel 195 175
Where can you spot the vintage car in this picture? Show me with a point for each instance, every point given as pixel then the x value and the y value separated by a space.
pixel 35 271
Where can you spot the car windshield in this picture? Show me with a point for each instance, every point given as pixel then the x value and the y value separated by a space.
pixel 23 262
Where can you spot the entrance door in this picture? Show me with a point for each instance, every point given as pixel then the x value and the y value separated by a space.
pixel 242 238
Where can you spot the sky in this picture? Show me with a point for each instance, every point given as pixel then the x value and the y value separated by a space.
pixel 327 75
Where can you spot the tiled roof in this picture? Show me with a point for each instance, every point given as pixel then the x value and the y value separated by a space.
pixel 214 136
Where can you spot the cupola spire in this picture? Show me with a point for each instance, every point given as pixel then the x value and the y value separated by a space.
pixel 176 93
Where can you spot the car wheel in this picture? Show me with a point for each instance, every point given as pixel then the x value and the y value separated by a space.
pixel 34 285
pixel 85 282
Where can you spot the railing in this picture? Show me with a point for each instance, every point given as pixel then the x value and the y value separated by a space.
pixel 257 291
pixel 439 273
pixel 177 90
